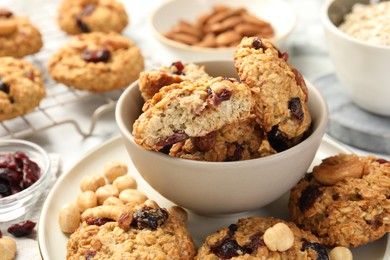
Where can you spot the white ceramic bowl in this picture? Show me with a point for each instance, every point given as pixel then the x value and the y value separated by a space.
pixel 218 188
pixel 277 12
pixel 361 67
pixel 16 205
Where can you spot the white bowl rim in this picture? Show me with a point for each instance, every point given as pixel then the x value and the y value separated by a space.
pixel 268 159
pixel 328 23
pixel 44 172
pixel 187 47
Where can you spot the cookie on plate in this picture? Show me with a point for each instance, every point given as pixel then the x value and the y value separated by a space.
pixel 234 142
pixel 130 232
pixel 21 87
pixel 84 16
pixel 261 238
pixel 191 109
pixel 97 62
pixel 18 36
pixel 280 91
pixel 150 82
pixel 345 201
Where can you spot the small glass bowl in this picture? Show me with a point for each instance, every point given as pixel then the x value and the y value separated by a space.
pixel 16 205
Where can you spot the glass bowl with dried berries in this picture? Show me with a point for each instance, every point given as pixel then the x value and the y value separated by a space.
pixel 24 175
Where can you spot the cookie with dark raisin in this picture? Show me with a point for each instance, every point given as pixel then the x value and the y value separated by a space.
pixel 345 201
pixel 130 232
pixel 85 16
pixel 97 62
pixel 150 82
pixel 261 238
pixel 191 109
pixel 18 36
pixel 280 91
pixel 21 87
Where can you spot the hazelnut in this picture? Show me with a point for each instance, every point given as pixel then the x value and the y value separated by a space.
pixel 125 182
pixel 86 200
pixel 69 218
pixel 132 195
pixel 113 170
pixel 179 213
pixel 113 201
pixel 279 237
pixel 92 182
pixel 340 253
pixel 7 248
pixel 105 192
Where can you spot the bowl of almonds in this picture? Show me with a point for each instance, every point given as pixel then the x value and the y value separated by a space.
pixel 211 29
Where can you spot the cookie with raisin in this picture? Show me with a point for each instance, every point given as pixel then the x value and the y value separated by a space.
pixel 280 91
pixel 150 82
pixel 345 201
pixel 191 109
pixel 21 87
pixel 130 232
pixel 85 16
pixel 261 238
pixel 97 62
pixel 18 36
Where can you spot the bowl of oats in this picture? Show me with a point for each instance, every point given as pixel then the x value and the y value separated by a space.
pixel 357 38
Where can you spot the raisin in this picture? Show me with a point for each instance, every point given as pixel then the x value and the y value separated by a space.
pixel 149 217
pixel 97 221
pixel 175 138
pixel 228 249
pixel 4 87
pixel 257 43
pixel 79 19
pixel 90 254
pixel 22 229
pixel 295 107
pixel 102 55
pixel 83 26
pixel 215 99
pixel 255 242
pixel 233 228
pixel 179 66
pixel 277 139
pixel 308 197
pixel 4 13
pixel 322 254
pixel 205 143
pixel 237 155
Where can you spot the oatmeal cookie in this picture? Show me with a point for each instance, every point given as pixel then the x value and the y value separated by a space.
pixel 84 16
pixel 345 201
pixel 280 91
pixel 261 238
pixel 191 109
pixel 150 82
pixel 237 141
pixel 135 232
pixel 18 36
pixel 97 62
pixel 21 87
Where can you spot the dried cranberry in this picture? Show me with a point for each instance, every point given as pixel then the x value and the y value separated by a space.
pixel 205 143
pixel 149 217
pixel 255 242
pixel 97 221
pixel 295 107
pixel 277 139
pixel 233 228
pixel 322 254
pixel 215 99
pixel 5 188
pixel 90 254
pixel 308 197
pixel 257 43
pixel 29 75
pixel 179 66
pixel 1 234
pixel 4 13
pixel 237 155
pixel 4 87
pixel 381 161
pixel 175 138
pixel 283 55
pixel 79 19
pixel 83 26
pixel 228 249
pixel 22 229
pixel 300 81
pixel 102 55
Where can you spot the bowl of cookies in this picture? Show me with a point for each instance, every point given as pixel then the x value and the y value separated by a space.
pixel 359 47
pixel 211 29
pixel 223 137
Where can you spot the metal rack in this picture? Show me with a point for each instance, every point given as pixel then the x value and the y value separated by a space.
pixel 59 98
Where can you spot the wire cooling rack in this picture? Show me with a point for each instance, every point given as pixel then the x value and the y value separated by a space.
pixel 61 102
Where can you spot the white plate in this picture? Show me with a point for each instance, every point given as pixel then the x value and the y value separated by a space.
pixel 52 242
